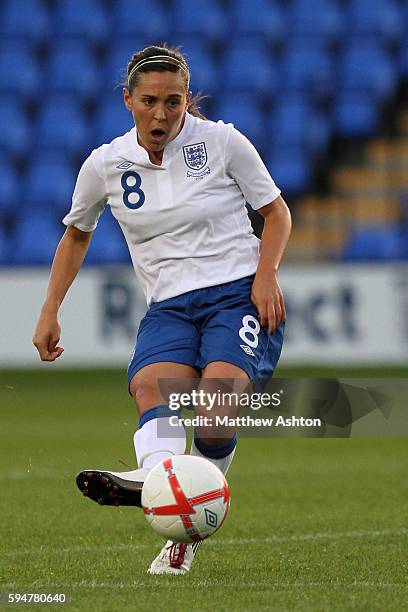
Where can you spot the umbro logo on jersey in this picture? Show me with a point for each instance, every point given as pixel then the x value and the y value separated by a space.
pixel 248 350
pixel 125 165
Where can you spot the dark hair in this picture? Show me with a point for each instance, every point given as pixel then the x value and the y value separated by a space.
pixel 174 53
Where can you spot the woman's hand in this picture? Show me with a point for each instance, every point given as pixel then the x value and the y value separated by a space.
pixel 266 293
pixel 47 335
pixel 68 259
pixel 267 296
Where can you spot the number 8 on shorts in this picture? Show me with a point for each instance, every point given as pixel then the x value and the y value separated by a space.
pixel 250 330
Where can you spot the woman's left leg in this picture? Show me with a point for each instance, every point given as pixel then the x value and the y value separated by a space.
pixel 224 382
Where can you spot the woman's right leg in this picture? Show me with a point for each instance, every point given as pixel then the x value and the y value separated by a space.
pixel 154 440
pixel 166 336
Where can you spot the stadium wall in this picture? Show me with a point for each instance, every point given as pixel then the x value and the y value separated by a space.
pixel 338 314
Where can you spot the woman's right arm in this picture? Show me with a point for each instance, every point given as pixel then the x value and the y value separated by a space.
pixel 68 259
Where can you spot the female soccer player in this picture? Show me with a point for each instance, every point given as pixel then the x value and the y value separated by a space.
pixel 177 184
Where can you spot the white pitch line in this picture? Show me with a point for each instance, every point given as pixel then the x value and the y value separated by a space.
pixel 152 583
pixel 316 536
pixel 216 542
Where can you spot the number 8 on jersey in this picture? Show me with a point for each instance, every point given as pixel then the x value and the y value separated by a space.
pixel 129 189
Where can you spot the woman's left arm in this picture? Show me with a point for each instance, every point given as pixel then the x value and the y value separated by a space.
pixel 266 293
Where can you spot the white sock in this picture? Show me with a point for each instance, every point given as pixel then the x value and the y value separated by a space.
pixel 222 464
pixel 157 439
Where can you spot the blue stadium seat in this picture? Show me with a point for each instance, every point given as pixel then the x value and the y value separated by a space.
pixel 61 126
pixel 24 19
pixel 290 169
pixel 36 238
pixel 204 71
pixel 405 22
pixel 403 60
pixel 373 244
pixel 367 69
pixel 315 18
pixel 248 65
pixel 245 116
pixel 114 70
pixel 112 119
pixel 6 249
pixel 108 245
pixel 205 19
pixel 308 71
pixel 381 20
pixel 48 185
pixel 19 71
pixel 72 69
pixel 144 18
pixel 257 17
pixel 355 115
pixel 81 19
pixel 10 188
pixel 15 131
pixel 404 239
pixel 293 123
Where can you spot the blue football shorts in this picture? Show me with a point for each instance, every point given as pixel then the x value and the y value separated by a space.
pixel 217 323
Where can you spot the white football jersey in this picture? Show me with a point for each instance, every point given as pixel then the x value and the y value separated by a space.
pixel 185 222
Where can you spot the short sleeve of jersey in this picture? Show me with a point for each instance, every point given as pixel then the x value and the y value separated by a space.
pixel 245 166
pixel 89 196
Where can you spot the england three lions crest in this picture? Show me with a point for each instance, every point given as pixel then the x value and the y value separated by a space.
pixel 195 156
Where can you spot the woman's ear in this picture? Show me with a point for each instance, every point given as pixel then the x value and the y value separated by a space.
pixel 127 98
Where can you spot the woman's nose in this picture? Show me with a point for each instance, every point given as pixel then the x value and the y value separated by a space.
pixel 159 112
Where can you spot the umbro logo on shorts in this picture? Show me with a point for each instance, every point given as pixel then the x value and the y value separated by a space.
pixel 247 350
pixel 125 165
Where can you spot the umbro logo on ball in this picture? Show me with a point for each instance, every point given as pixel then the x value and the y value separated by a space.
pixel 210 518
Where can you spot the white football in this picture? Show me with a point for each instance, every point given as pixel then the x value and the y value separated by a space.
pixel 185 498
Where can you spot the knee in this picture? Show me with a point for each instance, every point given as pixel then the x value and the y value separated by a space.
pixel 144 392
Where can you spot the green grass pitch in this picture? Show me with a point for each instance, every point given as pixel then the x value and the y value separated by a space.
pixel 315 524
